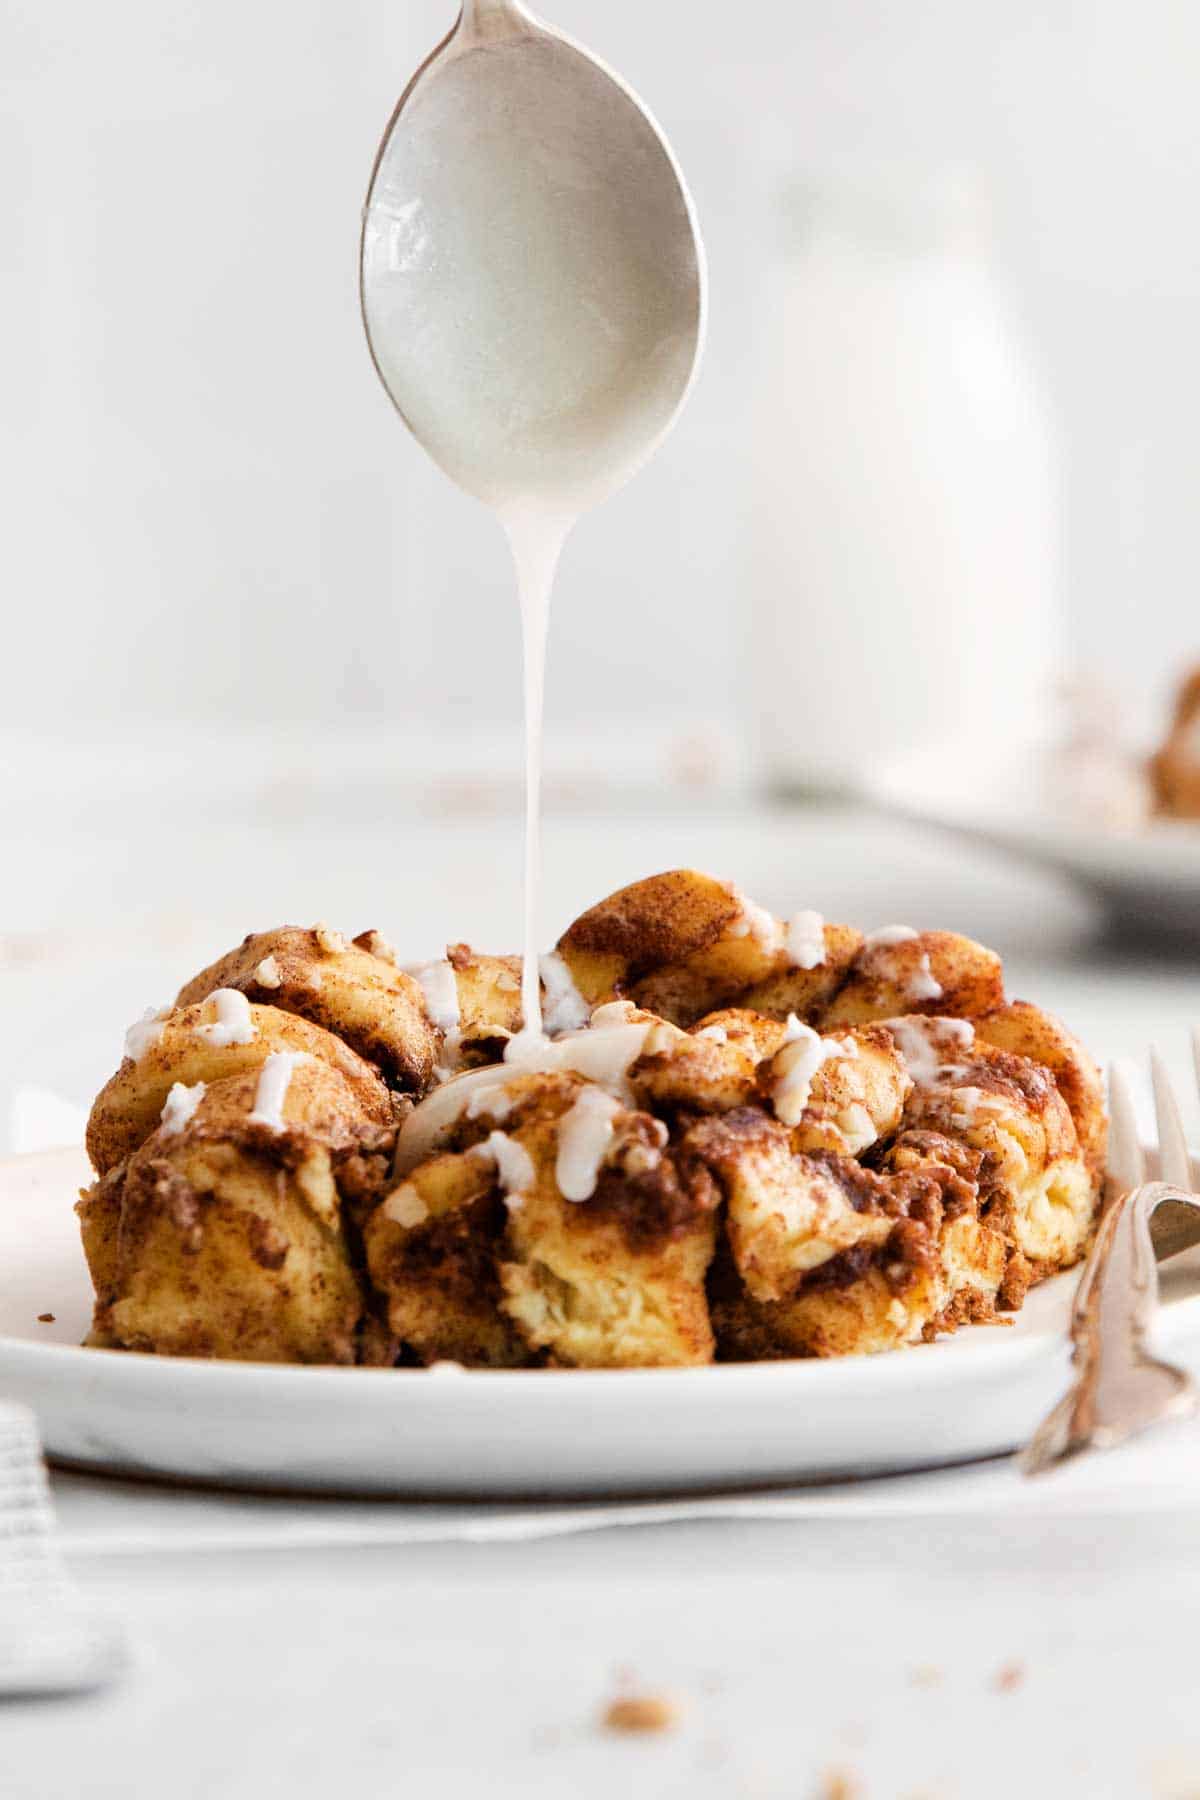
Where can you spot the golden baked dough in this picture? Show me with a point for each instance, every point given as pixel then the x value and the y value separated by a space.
pixel 1036 1184
pixel 856 1096
pixel 805 991
pixel 758 1033
pixel 934 972
pixel 224 1236
pixel 704 1069
pixel 368 1001
pixel 615 1280
pixel 827 1258
pixel 767 1160
pixel 431 1247
pixel 651 925
pixel 682 945
pixel 1028 1031
pixel 190 1047
pixel 489 998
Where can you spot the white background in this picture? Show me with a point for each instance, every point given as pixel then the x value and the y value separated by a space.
pixel 213 515
pixel 214 522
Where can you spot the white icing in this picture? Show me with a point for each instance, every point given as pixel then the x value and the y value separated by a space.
pixel 612 1012
pixel 921 1041
pixel 526 1050
pixel 234 1023
pixel 889 934
pixel 495 1102
pixel 795 1065
pixel 717 1033
pixel 969 1103
pixel 268 973
pixel 179 1106
pixel 405 1207
pixel 805 940
pixel 601 1055
pixel 924 984
pixel 437 983
pixel 584 1136
pixel 514 1165
pixel 563 1006
pixel 274 1080
pixel 921 983
pixel 145 1032
pixel 756 922
pixel 951 1072
pixel 331 942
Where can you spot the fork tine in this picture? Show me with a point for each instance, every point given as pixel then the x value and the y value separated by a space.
pixel 1175 1161
pixel 1126 1166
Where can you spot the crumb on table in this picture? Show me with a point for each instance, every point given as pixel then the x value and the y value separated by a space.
pixel 45 1318
pixel 839 1784
pixel 1008 1677
pixel 641 1712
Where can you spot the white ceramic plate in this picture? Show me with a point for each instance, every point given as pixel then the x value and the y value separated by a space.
pixel 492 1433
pixel 1146 876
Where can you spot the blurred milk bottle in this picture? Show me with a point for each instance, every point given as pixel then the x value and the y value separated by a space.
pixel 903 536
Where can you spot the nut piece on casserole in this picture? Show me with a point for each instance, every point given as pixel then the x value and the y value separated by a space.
pixel 223 1235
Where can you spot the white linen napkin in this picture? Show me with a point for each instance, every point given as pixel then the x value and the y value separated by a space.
pixel 51 1641
pixel 1156 1474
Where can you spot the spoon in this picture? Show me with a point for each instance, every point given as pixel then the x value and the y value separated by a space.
pixel 533 283
pixel 533 293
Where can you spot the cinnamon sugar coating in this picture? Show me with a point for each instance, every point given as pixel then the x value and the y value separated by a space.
pixel 844 1158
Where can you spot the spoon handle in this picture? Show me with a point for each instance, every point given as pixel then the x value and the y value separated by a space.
pixel 484 21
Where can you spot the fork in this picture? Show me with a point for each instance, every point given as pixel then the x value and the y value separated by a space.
pixel 1119 1388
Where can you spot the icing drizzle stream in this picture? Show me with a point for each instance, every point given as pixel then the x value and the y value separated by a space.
pixel 536 538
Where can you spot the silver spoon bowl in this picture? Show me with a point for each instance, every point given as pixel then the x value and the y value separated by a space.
pixel 532 278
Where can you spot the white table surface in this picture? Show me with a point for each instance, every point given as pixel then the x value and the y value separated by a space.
pixel 865 1642
pixel 460 1670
